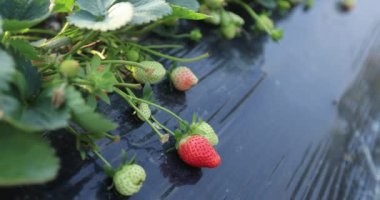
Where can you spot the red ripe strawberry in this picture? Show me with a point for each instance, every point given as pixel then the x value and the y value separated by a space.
pixel 195 150
pixel 183 78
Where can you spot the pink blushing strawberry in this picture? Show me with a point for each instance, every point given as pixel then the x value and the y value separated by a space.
pixel 183 78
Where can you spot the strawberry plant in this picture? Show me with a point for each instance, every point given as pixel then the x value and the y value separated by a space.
pixel 54 74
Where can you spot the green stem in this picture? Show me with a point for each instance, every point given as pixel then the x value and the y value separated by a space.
pixel 82 82
pixel 170 57
pixel 164 46
pixel 157 106
pixel 43 31
pixel 162 126
pixel 6 35
pixel 147 28
pixel 251 12
pixel 128 99
pixel 124 62
pixel 24 37
pixel 76 47
pixel 63 28
pixel 129 85
pixel 102 158
pixel 244 5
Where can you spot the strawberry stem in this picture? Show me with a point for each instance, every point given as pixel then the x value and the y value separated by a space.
pixel 164 46
pixel 102 159
pixel 129 85
pixel 159 107
pixel 170 57
pixel 124 62
pixel 128 99
pixel 162 126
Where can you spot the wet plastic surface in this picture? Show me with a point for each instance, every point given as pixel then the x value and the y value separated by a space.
pixel 296 120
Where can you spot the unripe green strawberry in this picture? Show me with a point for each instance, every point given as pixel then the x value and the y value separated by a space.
pixel 133 55
pixel 183 78
pixel 236 19
pixel 214 18
pixel 214 4
pixel 229 31
pixel 196 35
pixel 284 4
pixel 204 129
pixel 195 150
pixel 264 23
pixel 69 68
pixel 276 34
pixel 145 111
pixel 152 72
pixel 129 179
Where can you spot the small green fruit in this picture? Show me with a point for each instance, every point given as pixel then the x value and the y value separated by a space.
pixel 236 19
pixel 129 179
pixel 145 111
pixel 229 31
pixel 214 18
pixel 264 23
pixel 196 35
pixel 133 55
pixel 277 34
pixel 284 5
pixel 152 72
pixel 69 68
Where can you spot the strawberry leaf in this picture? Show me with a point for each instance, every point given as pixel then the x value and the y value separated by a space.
pixel 25 49
pixel 189 4
pixel 63 6
pixel 38 115
pixel 95 7
pixel 25 158
pixel 101 18
pixel 146 11
pixel 184 13
pixel 6 70
pixel 84 116
pixel 21 14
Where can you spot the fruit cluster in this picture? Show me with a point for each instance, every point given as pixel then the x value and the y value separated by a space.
pixel 61 58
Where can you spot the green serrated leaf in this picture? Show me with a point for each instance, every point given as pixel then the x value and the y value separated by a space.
pixel 146 11
pixel 25 49
pixel 189 4
pixel 30 74
pixel 21 14
pixel 184 13
pixel 38 115
pixel 25 158
pixel 112 18
pixel 83 115
pixel 63 6
pixel 6 70
pixel 95 7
